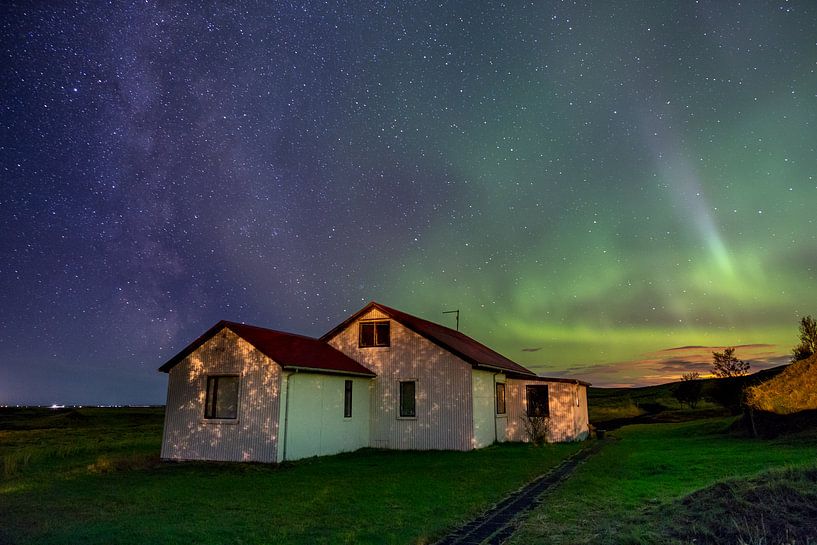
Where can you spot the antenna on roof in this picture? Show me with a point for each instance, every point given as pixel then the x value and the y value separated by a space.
pixel 457 312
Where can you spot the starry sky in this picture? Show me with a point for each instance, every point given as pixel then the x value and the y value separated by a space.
pixel 605 190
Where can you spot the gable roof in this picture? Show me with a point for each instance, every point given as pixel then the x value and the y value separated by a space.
pixel 288 350
pixel 459 344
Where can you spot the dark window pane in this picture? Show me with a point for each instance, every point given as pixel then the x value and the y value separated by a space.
pixel 367 334
pixel 500 398
pixel 407 401
pixel 374 333
pixel 537 400
pixel 209 408
pixel 382 333
pixel 347 399
pixel 227 397
pixel 221 400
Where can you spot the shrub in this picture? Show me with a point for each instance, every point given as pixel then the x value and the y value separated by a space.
pixel 728 392
pixel 536 428
pixel 688 391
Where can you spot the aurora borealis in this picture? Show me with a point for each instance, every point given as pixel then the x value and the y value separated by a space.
pixel 594 185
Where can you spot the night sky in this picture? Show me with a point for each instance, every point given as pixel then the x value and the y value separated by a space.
pixel 593 185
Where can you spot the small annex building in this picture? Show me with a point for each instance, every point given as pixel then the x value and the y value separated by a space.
pixel 382 379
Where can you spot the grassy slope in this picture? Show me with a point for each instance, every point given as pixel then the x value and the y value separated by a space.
pixel 776 507
pixel 793 390
pixel 648 466
pixel 657 403
pixel 92 477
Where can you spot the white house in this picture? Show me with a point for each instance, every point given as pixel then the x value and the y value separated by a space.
pixel 382 379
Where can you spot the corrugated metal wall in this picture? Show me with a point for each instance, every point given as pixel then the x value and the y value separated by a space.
pixel 444 409
pixel 565 417
pixel 253 435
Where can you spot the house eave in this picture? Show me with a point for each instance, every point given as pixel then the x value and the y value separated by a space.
pixel 319 371
pixel 558 379
pixel 475 363
pixel 495 369
pixel 193 346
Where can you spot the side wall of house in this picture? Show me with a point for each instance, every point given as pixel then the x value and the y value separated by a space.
pixel 443 396
pixel 250 437
pixel 565 423
pixel 312 421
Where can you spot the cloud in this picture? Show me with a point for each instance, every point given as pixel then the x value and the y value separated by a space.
pixel 714 348
pixel 668 364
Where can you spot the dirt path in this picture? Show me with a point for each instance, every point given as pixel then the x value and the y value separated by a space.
pixel 498 523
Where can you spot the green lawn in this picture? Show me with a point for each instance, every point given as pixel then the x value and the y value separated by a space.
pixel 647 467
pixel 92 476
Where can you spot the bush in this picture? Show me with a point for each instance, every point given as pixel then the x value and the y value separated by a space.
pixel 536 428
pixel 728 392
pixel 688 391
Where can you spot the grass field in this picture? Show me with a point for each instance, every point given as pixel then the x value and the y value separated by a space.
pixel 629 493
pixel 93 476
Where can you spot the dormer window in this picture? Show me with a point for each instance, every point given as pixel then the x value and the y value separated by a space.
pixel 374 333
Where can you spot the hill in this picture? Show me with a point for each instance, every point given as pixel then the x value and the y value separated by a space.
pixel 774 507
pixel 610 408
pixel 792 391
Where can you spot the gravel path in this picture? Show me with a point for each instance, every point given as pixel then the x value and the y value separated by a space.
pixel 498 523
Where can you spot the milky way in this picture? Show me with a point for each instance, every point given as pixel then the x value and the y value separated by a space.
pixel 589 184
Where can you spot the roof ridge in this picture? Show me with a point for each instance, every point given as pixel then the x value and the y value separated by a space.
pixel 453 331
pixel 423 329
pixel 284 348
pixel 277 331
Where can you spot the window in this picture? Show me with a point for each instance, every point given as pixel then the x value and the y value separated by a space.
pixel 537 397
pixel 408 405
pixel 374 333
pixel 347 399
pixel 222 397
pixel 500 398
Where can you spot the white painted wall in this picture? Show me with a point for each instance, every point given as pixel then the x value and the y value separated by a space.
pixel 311 415
pixel 483 393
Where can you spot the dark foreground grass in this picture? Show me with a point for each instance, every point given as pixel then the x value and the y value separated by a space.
pixel 93 476
pixel 628 493
pixel 776 507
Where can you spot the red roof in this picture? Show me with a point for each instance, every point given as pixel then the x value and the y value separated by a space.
pixel 288 350
pixel 475 353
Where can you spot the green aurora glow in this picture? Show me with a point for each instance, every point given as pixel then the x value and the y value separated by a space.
pixel 636 190
pixel 607 190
